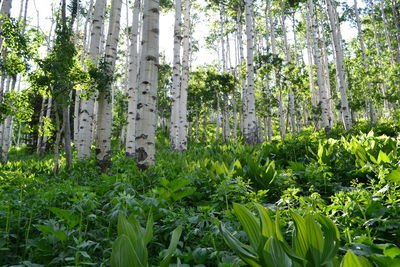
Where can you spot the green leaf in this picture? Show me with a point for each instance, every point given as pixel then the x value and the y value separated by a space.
pixel 246 253
pixel 394 176
pixel 249 224
pixel 392 252
pixel 267 225
pixel 300 242
pixel 176 234
pixel 351 260
pixel 71 219
pixel 332 237
pixel 316 240
pixel 382 157
pixel 278 254
pixel 45 229
pixel 148 234
pixel 123 253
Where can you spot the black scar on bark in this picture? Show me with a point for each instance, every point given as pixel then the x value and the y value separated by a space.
pixel 141 156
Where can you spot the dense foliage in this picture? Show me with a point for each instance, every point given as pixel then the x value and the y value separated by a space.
pixel 352 178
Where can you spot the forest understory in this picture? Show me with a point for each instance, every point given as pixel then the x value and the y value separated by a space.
pixel 71 219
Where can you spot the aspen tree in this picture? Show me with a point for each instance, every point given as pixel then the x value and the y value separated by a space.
pixel 85 133
pixel 316 43
pixel 250 123
pixel 176 77
pixel 133 82
pixel 339 60
pixel 104 123
pixel 183 122
pixel 148 83
pixel 369 102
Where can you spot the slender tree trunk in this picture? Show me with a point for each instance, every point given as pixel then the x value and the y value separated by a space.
pixel 57 142
pixel 369 102
pixel 42 148
pixel 241 62
pixel 276 81
pixel 103 138
pixel 67 135
pixel 339 60
pixel 133 83
pixel 291 94
pixel 314 98
pixel 250 123
pixel 148 84
pixel 40 130
pixel 183 122
pixel 176 77
pixel 324 100
pixel 87 111
pixel 396 16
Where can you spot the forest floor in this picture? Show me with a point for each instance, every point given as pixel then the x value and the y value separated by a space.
pixel 71 219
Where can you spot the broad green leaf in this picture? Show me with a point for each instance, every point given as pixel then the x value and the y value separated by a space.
pixel 332 237
pixel 45 229
pixel 71 219
pixel 315 238
pixel 178 195
pixel 249 224
pixel 394 176
pixel 279 257
pixel 300 242
pixel 351 260
pixel 148 234
pixel 382 157
pixel 246 253
pixel 267 225
pixel 392 252
pixel 176 234
pixel 123 254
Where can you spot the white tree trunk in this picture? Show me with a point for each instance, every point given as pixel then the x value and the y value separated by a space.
pixel 369 102
pixel 104 123
pixel 291 94
pixel 324 100
pixel 183 122
pixel 86 116
pixel 176 77
pixel 133 83
pixel 276 81
pixel 250 123
pixel 339 60
pixel 148 84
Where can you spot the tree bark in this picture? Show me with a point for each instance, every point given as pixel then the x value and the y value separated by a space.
pixel 176 77
pixel 324 100
pixel 86 117
pixel 183 122
pixel 148 84
pixel 250 123
pixel 133 83
pixel 339 60
pixel 104 124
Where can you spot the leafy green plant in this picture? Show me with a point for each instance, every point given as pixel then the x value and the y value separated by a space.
pixel 130 248
pixel 315 240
